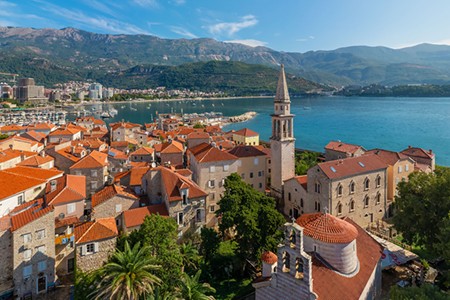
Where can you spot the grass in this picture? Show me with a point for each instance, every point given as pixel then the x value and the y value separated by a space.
pixel 233 289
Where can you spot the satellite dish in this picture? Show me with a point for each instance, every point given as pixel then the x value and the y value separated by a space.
pixel 61 216
pixel 153 165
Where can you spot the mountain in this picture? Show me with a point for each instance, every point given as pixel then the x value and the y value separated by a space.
pixel 69 51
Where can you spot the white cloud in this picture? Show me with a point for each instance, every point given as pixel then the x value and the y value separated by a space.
pixel 146 3
pixel 305 39
pixel 183 31
pixel 97 5
pixel 179 2
pixel 4 4
pixel 248 42
pixel 233 27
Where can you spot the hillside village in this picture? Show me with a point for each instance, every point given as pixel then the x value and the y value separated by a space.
pixel 69 192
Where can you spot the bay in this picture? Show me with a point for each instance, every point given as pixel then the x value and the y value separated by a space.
pixel 388 123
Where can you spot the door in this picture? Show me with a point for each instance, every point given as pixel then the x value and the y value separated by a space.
pixel 70 265
pixel 42 284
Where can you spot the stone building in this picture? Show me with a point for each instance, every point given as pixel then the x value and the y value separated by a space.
pixel 282 141
pixel 124 131
pixel 95 167
pixel 425 160
pixel 39 161
pixel 338 150
pixel 95 241
pixel 210 166
pixel 196 138
pixel 354 187
pixel 111 201
pixel 21 143
pixel 322 257
pixel 295 196
pixel 185 201
pixel 246 136
pixel 172 153
pixel 64 134
pixel 143 154
pixel 251 165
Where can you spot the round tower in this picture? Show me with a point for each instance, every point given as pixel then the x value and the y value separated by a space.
pixel 333 239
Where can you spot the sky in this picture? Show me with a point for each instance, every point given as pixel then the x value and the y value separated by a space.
pixel 283 25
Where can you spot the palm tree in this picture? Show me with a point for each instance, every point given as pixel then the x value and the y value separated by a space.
pixel 128 274
pixel 190 257
pixel 191 289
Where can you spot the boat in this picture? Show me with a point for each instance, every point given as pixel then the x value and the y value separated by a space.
pixel 105 115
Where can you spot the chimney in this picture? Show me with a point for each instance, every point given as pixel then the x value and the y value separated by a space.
pixel 409 147
pixel 22 156
pixel 431 151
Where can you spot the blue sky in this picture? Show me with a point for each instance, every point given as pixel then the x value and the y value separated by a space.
pixel 287 25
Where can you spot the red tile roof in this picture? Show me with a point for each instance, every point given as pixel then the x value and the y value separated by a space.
pixel 95 159
pixel 143 151
pixel 19 138
pixel 198 135
pixel 117 154
pixel 67 153
pixel 135 217
pixel 206 153
pixel 303 181
pixel 66 221
pixel 389 157
pixel 110 191
pixel 352 166
pixel 246 132
pixel 36 161
pixel 172 147
pixel 99 229
pixel 137 174
pixel 246 151
pixel 269 257
pixel 418 152
pixel 327 228
pixel 64 131
pixel 127 125
pixel 34 173
pixel 33 213
pixel 343 147
pixel 37 136
pixel 173 182
pixel 66 189
pixel 9 154
pixel 329 284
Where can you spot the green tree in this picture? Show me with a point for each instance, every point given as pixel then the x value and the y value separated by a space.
pixel 190 257
pixel 85 284
pixel 198 125
pixel 305 161
pixel 3 136
pixel 190 288
pixel 250 218
pixel 210 243
pixel 424 292
pixel 129 274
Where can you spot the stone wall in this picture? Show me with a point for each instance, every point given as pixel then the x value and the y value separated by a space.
pixel 6 262
pixel 108 208
pixel 96 260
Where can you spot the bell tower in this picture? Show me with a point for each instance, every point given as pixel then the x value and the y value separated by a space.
pixel 282 141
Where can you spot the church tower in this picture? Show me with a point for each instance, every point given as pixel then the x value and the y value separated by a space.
pixel 282 141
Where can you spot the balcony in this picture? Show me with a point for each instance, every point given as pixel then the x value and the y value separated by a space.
pixel 64 239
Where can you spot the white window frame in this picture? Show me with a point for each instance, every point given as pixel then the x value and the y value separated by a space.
pixel 212 169
pixel 180 218
pixel 226 167
pixel 406 168
pixel 94 173
pixel 400 169
pixel 211 183
pixel 26 238
pixel 20 200
pixel 29 255
pixel 71 208
pixel 42 249
pixel 40 234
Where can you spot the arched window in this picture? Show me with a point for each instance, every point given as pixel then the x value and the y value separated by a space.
pixel 378 182
pixel 289 196
pixel 318 206
pixel 290 212
pixel 339 208
pixel 352 187
pixel 317 187
pixel 301 202
pixel 352 205
pixel 366 201
pixel 292 238
pixel 339 190
pixel 366 183
pixel 286 262
pixel 298 268
pixel 378 199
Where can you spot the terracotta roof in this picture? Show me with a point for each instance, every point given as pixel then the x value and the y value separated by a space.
pixel 343 147
pixel 9 128
pixel 185 130
pixel 67 153
pixel 303 181
pixel 116 144
pixel 8 154
pixel 40 126
pixel 269 257
pixel 246 151
pixel 91 143
pixel 158 147
pixel 143 151
pixel 172 147
pixel 36 161
pixel 110 191
pixel 31 214
pixel 34 173
pixel 76 128
pixel 213 129
pixel 418 152
pixel 198 135
pixel 99 229
pixel 206 153
pixel 37 136
pixel 117 154
pixel 329 284
pixel 139 164
pixel 184 172
pixel 327 228
pixel 137 174
pixel 66 221
pixel 173 182
pixel 64 131
pixel 352 166
pixel 389 157
pixel 95 159
pixel 69 188
pixel 225 144
pixel 19 138
pixel 126 125
pixel 135 217
pixel 246 132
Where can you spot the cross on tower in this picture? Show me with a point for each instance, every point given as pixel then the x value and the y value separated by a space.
pixel 325 210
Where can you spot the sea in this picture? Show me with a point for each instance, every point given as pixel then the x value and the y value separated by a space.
pixel 373 122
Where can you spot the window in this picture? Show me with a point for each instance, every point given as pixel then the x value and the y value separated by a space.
pixel 226 167
pixel 318 206
pixel 212 196
pixel 286 261
pixel 93 185
pixel 20 200
pixel 260 185
pixel 41 249
pixel 260 173
pixel 298 268
pixel 211 183
pixel 317 187
pixel 270 171
pixel 339 209
pixel 26 272
pixel 352 187
pixel 27 254
pixel 243 175
pixel 366 184
pixel 406 168
pixel 26 238
pixel 301 202
pixel 184 199
pixel 378 181
pixel 90 248
pixel 352 205
pixel 70 208
pixel 366 201
pixel 251 174
pixel 289 196
pixel 118 208
pixel 42 266
pixel 378 198
pixel 212 208
pixel 40 234
pixel 93 173
pixel 180 218
pixel 339 190
pixel 400 169
pixel 212 169
pixel 256 161
pixel 295 213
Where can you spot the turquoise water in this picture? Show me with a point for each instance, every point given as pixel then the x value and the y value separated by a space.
pixel 389 123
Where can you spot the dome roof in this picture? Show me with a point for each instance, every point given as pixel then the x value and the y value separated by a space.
pixel 269 257
pixel 327 228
